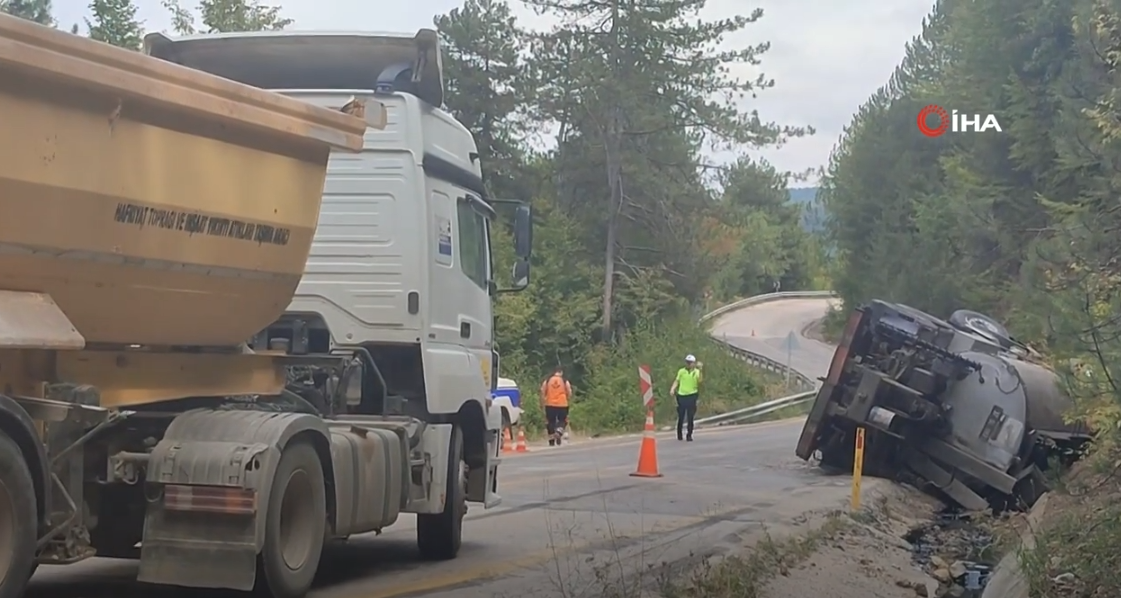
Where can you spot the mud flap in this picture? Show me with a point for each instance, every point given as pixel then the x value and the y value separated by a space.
pixel 227 448
pixel 491 497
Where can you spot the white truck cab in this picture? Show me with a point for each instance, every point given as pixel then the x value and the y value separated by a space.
pixel 399 284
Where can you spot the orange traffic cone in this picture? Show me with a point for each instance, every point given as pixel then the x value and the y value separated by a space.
pixel 648 453
pixel 522 448
pixel 507 442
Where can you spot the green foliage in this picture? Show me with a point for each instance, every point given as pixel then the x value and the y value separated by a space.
pixel 553 322
pixel 223 16
pixel 38 11
pixel 646 239
pixel 773 247
pixel 609 397
pixel 481 57
pixel 637 87
pixel 114 22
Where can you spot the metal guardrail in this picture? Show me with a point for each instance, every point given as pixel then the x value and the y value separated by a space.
pixel 748 413
pixel 797 379
pixel 767 298
pixel 759 361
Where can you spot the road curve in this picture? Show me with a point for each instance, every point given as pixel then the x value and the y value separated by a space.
pixel 764 329
pixel 573 520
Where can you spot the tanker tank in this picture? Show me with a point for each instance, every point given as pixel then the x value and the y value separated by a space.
pixel 157 205
pixel 955 406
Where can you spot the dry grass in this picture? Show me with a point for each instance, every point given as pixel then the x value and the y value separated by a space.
pixel 746 575
pixel 1077 551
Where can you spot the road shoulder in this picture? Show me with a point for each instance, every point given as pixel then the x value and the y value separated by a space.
pixel 831 553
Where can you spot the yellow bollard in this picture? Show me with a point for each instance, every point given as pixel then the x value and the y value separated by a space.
pixel 857 469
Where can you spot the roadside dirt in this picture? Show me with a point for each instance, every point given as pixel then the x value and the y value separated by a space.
pixel 868 557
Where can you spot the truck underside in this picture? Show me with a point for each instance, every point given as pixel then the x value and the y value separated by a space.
pixel 217 484
pixel 955 407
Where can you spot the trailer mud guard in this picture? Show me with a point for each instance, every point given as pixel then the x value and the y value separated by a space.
pixel 226 449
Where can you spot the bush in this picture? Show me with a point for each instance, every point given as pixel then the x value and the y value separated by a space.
pixel 609 399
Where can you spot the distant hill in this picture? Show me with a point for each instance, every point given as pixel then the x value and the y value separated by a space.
pixel 803 194
pixel 813 217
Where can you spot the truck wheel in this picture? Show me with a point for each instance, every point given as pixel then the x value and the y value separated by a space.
pixel 295 524
pixel 17 520
pixel 979 323
pixel 439 535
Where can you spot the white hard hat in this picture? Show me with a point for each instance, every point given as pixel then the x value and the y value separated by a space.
pixel 690 357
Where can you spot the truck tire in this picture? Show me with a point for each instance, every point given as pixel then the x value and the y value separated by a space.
pixel 17 520
pixel 295 524
pixel 979 323
pixel 439 535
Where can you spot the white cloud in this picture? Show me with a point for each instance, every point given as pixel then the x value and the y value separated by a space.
pixel 827 56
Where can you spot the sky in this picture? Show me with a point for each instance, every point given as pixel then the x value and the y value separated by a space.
pixel 827 56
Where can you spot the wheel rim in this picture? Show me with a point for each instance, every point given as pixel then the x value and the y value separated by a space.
pixel 297 520
pixel 7 532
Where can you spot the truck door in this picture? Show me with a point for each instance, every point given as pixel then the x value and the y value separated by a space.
pixel 475 316
pixel 476 319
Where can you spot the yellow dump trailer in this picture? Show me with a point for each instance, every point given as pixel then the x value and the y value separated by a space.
pixel 155 204
pixel 152 219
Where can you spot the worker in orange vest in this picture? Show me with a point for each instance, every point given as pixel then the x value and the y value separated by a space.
pixel 555 394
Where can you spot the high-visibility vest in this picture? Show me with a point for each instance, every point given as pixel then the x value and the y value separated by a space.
pixel 556 392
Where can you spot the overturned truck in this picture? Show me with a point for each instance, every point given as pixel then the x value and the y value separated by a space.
pixel 956 407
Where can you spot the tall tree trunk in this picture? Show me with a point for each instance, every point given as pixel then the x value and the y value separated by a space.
pixel 615 200
pixel 612 140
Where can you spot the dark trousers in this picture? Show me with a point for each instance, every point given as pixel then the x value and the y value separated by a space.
pixel 686 412
pixel 555 417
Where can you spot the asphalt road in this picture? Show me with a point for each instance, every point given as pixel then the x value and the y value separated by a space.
pixel 573 521
pixel 765 328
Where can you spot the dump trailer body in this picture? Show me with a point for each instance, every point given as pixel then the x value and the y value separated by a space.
pixel 953 405
pixel 155 204
pixel 154 218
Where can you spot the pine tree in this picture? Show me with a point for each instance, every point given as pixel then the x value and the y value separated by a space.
pixel 486 87
pixel 38 11
pixel 645 83
pixel 222 16
pixel 114 22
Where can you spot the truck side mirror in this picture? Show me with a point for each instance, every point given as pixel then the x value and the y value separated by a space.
pixel 523 232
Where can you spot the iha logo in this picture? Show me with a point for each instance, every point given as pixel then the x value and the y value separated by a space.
pixel 952 121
